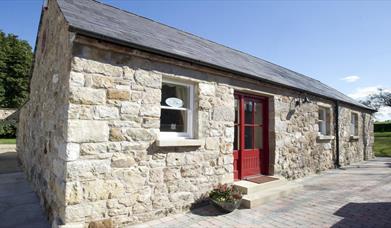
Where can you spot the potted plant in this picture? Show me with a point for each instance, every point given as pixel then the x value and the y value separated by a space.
pixel 225 197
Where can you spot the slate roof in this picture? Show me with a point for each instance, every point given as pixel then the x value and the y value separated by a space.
pixel 94 19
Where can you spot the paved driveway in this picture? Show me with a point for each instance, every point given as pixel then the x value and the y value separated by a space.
pixel 19 205
pixel 358 196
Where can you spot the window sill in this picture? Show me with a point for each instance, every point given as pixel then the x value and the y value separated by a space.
pixel 178 142
pixel 325 137
pixel 354 137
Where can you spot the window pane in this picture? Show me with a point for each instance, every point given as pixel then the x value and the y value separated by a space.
pixel 173 120
pixel 354 124
pixel 324 121
pixel 258 108
pixel 248 112
pixel 322 127
pixel 321 114
pixel 248 137
pixel 327 122
pixel 258 137
pixel 352 129
pixel 236 138
pixel 236 111
pixel 174 95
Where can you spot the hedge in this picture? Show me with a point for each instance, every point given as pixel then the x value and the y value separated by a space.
pixel 7 129
pixel 382 127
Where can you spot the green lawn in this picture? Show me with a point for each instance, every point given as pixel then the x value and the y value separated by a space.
pixel 382 145
pixel 7 141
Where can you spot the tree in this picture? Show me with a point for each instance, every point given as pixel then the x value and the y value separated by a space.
pixel 379 99
pixel 15 64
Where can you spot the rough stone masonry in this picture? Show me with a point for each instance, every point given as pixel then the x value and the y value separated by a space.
pixel 87 137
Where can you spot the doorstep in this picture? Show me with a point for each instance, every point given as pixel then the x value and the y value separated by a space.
pixel 257 194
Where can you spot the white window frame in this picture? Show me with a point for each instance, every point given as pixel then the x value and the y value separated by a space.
pixel 354 124
pixel 326 123
pixel 189 112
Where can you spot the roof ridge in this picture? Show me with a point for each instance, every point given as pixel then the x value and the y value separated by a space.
pixel 211 41
pixel 195 49
pixel 202 38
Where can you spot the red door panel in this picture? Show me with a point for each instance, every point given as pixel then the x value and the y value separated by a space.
pixel 250 147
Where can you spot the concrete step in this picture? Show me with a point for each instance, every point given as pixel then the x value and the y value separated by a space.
pixel 263 196
pixel 247 187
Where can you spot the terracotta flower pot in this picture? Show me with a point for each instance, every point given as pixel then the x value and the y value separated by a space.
pixel 226 207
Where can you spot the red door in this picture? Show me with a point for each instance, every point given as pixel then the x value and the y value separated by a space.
pixel 251 142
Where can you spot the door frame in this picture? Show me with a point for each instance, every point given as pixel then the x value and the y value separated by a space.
pixel 264 153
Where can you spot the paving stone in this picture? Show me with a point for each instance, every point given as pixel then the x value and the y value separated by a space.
pixel 19 205
pixel 355 197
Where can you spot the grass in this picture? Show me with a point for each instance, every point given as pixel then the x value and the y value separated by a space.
pixel 8 141
pixel 382 145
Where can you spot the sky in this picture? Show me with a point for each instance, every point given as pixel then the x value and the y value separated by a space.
pixel 345 44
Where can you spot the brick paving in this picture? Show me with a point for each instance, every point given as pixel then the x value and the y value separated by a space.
pixel 357 196
pixel 19 205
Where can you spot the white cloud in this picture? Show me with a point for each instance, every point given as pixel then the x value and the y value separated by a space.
pixel 361 93
pixel 384 113
pixel 350 79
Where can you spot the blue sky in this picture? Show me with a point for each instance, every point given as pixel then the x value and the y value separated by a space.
pixel 327 40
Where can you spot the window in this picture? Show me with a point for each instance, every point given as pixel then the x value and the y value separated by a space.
pixel 176 110
pixel 324 121
pixel 354 124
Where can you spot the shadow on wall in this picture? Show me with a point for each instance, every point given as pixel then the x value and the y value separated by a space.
pixel 364 215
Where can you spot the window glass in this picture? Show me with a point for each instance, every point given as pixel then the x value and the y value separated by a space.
pixel 248 138
pixel 354 124
pixel 321 114
pixel 258 137
pixel 258 108
pixel 176 113
pixel 324 120
pixel 328 121
pixel 173 120
pixel 248 112
pixel 174 95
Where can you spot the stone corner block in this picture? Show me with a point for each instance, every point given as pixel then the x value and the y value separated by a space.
pixel 80 131
pixel 69 151
pixel 83 95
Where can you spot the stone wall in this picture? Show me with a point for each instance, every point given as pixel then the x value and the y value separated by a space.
pixel 88 136
pixel 298 150
pixel 116 171
pixel 41 137
pixel 355 150
pixel 120 94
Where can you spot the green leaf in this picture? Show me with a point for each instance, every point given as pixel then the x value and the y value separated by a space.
pixel 15 64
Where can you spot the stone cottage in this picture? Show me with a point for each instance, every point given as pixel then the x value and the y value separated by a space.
pixel 130 120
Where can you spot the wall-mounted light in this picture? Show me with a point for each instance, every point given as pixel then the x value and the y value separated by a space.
pixel 300 101
pixel 297 102
pixel 306 100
